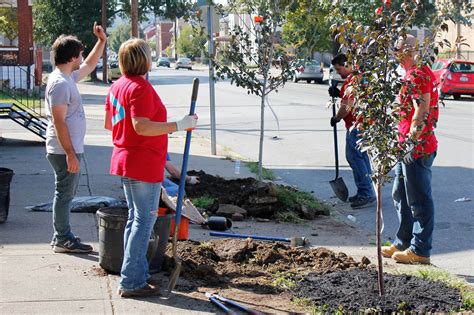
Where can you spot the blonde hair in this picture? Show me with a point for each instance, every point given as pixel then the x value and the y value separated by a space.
pixel 134 57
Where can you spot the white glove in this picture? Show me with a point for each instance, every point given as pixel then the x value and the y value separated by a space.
pixel 408 158
pixel 192 180
pixel 188 122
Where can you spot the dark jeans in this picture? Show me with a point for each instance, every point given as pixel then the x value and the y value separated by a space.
pixel 414 204
pixel 65 189
pixel 359 162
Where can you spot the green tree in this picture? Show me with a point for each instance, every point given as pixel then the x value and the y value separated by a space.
pixel 76 17
pixel 120 34
pixel 152 44
pixel 257 44
pixel 307 27
pixel 190 42
pixel 9 23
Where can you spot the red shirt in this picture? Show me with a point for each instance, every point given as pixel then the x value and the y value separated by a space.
pixel 349 119
pixel 139 157
pixel 423 81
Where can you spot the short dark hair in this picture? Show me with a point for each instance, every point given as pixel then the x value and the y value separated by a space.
pixel 340 59
pixel 65 48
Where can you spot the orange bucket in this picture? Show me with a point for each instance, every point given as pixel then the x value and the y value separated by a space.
pixel 183 230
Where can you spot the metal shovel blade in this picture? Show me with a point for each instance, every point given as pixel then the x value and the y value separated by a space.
pixel 340 188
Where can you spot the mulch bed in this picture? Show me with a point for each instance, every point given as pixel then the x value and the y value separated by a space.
pixel 356 290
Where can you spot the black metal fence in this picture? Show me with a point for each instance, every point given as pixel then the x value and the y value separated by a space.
pixel 20 86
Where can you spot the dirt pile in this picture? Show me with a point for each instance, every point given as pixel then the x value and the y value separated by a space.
pixel 254 265
pixel 356 290
pixel 260 199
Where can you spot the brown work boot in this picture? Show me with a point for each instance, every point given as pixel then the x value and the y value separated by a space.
pixel 409 257
pixel 147 290
pixel 388 251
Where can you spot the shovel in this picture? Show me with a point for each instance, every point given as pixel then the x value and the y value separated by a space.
pixel 179 203
pixel 338 185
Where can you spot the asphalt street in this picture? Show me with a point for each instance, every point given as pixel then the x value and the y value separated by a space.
pixel 301 152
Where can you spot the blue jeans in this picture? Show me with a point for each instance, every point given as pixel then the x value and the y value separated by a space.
pixel 142 200
pixel 170 187
pixel 65 189
pixel 359 162
pixel 414 204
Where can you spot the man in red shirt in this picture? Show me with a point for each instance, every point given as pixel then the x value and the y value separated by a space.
pixel 412 185
pixel 359 161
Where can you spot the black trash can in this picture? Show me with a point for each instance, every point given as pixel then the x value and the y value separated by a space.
pixel 6 176
pixel 112 223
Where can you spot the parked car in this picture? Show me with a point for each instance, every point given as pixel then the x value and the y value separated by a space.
pixel 113 71
pixel 455 77
pixel 163 61
pixel 184 63
pixel 309 71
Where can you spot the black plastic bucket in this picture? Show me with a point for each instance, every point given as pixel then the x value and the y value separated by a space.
pixel 112 223
pixel 6 176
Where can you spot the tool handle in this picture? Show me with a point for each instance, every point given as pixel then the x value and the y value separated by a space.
pixel 184 166
pixel 239 306
pixel 256 237
pixel 221 306
pixel 194 95
pixel 336 153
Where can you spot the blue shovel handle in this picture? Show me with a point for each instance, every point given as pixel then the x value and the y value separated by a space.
pixel 184 166
pixel 216 302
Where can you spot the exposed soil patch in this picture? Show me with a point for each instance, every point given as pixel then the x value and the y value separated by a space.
pixel 260 199
pixel 356 290
pixel 98 271
pixel 253 265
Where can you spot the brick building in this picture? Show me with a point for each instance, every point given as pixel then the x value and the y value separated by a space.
pixel 22 54
pixel 165 30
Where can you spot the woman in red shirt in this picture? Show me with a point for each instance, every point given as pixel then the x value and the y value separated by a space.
pixel 137 118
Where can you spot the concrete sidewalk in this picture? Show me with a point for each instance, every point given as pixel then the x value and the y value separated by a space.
pixel 33 279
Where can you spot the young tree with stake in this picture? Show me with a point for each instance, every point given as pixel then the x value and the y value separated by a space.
pixel 396 116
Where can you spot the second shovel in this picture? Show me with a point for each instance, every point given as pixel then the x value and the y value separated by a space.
pixel 338 185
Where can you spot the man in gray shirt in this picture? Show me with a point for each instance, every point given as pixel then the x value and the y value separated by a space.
pixel 66 130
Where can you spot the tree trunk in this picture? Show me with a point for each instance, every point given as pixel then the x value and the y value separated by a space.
pixel 266 71
pixel 134 14
pixel 262 128
pixel 94 75
pixel 378 236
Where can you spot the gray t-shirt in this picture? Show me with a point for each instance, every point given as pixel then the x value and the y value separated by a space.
pixel 61 89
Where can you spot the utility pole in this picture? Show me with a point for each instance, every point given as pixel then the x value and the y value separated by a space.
pixel 458 40
pixel 104 54
pixel 158 37
pixel 134 7
pixel 176 39
pixel 212 96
